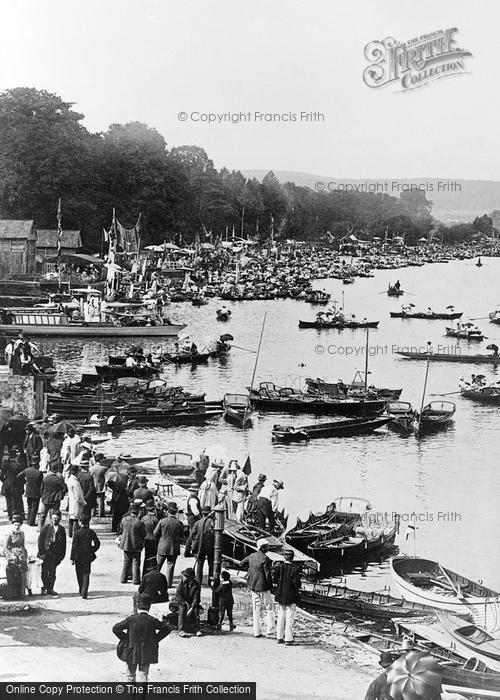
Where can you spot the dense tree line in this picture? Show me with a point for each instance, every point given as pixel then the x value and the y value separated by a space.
pixel 47 153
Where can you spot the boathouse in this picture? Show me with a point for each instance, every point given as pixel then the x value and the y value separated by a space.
pixel 46 244
pixel 17 248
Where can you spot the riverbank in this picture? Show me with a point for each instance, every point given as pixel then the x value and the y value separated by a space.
pixel 67 638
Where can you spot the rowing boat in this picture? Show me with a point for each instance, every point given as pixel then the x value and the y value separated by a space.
pixel 237 409
pixel 472 636
pixel 449 357
pixel 338 324
pixel 270 398
pixel 240 539
pixel 464 333
pixel 436 415
pixel 341 428
pixel 354 389
pixel 426 581
pixel 485 394
pixel 336 598
pixel 402 415
pixel 430 316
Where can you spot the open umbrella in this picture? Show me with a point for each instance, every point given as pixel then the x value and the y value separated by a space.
pixel 225 337
pixel 414 676
pixel 450 307
pixel 62 427
pixel 19 418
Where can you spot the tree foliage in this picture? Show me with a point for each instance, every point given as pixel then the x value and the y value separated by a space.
pixel 46 153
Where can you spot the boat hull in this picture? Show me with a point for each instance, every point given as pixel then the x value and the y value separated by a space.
pixel 428 317
pixel 485 611
pixel 343 408
pixel 346 428
pixel 451 357
pixel 92 331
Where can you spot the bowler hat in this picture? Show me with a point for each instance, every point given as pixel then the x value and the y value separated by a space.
pixel 134 508
pixel 206 509
pixel 188 572
pixel 262 477
pixel 143 601
pixel 172 508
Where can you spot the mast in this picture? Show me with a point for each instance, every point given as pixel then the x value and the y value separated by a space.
pixel 425 385
pixel 366 359
pixel 254 370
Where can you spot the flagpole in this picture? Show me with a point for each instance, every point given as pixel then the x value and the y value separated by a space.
pixel 59 236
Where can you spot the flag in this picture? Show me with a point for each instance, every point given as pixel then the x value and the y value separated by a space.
pixel 247 467
pixel 59 227
pixel 410 530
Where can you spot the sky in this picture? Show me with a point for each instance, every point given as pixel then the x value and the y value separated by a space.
pixel 151 60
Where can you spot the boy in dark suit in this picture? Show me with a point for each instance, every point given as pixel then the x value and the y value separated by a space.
pixel 226 600
pixel 143 633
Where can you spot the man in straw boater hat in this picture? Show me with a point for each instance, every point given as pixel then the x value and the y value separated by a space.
pixel 140 635
pixel 259 580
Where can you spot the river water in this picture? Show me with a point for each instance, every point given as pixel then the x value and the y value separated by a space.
pixel 446 484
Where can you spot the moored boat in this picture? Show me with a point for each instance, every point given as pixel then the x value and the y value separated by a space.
pixel 341 428
pixel 402 416
pixel 41 322
pixel 426 581
pixel 435 415
pixel 237 409
pixel 465 331
pixel 269 397
pixel 472 636
pixel 375 605
pixel 240 539
pixel 449 357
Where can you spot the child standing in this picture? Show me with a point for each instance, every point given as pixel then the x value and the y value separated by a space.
pixel 226 600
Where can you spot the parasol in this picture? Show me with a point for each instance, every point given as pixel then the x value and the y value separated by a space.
pixel 63 427
pixel 414 677
pixel 225 337
pixel 19 418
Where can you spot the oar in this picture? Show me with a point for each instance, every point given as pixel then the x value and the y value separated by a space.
pixel 449 393
pixel 455 587
pixel 480 318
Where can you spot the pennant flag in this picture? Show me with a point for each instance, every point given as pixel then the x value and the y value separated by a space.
pixel 247 467
pixel 59 227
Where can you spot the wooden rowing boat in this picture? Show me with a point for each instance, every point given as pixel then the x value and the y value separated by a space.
pixel 465 334
pixel 338 324
pixel 240 539
pixel 402 416
pixel 341 428
pixel 426 581
pixel 436 415
pixel 336 598
pixel 450 357
pixel 472 636
pixel 431 316
pixel 485 394
pixel 237 409
pixel 270 398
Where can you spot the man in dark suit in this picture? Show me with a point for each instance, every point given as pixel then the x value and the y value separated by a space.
pixel 150 521
pixel 132 533
pixel 171 532
pixel 85 545
pixel 32 444
pixel 98 473
pixel 142 493
pixel 32 477
pixel 143 634
pixel 154 584
pixel 119 500
pixel 88 488
pixel 53 490
pixel 13 487
pixel 201 544
pixel 287 583
pixel 51 550
pixel 132 482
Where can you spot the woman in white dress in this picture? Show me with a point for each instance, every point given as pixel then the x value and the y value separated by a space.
pixel 76 502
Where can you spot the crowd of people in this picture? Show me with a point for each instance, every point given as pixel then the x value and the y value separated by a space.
pixel 55 471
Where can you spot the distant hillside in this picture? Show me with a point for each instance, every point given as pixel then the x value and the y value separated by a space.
pixel 454 200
